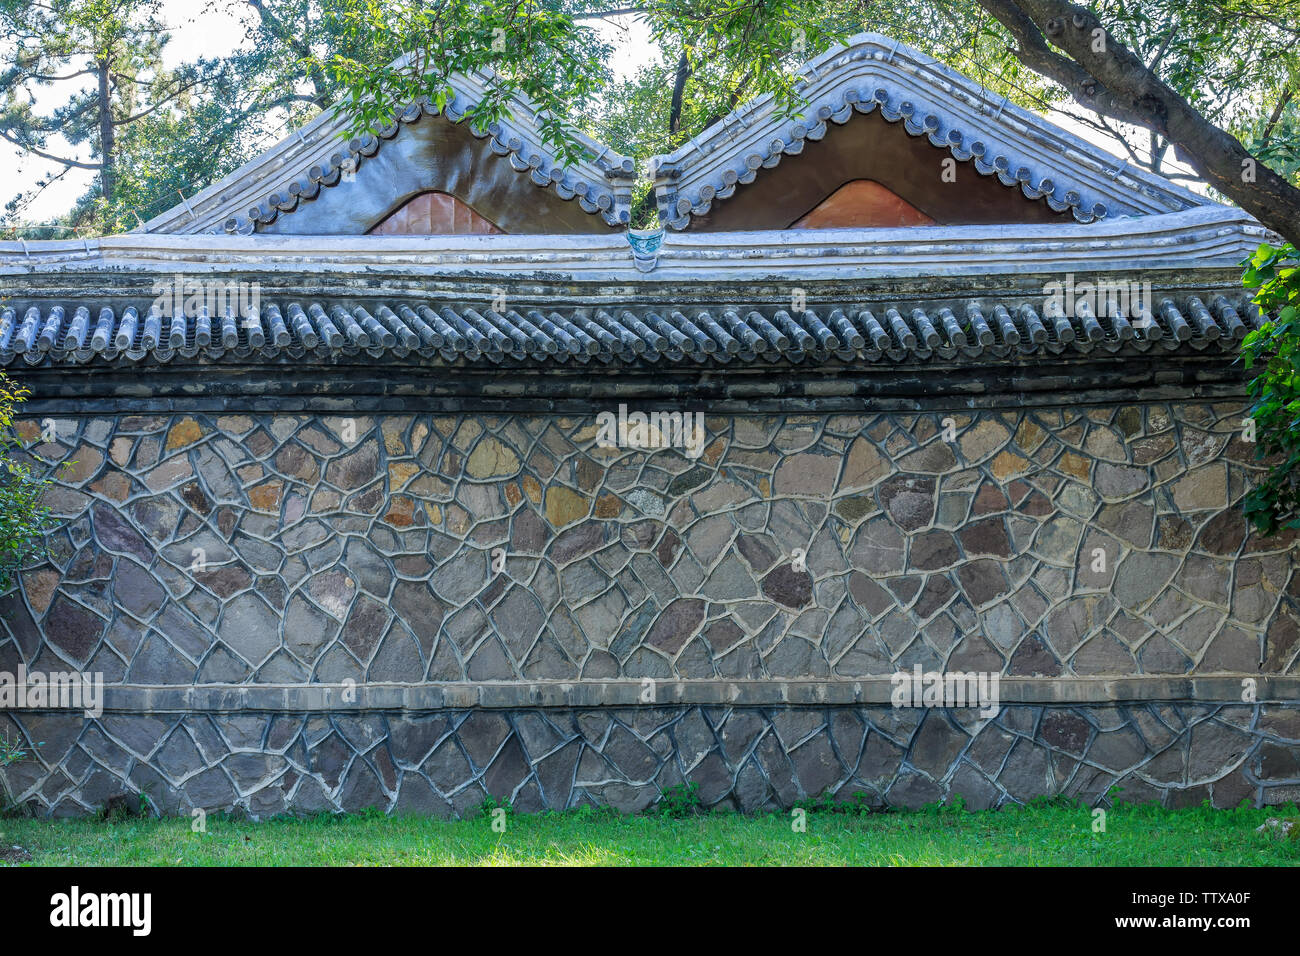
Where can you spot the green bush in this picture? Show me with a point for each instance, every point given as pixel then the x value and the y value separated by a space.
pixel 24 521
pixel 682 800
pixel 1273 352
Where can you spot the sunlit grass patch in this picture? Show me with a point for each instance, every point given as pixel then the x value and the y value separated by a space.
pixel 1039 835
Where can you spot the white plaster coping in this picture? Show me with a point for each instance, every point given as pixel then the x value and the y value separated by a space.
pixel 1208 237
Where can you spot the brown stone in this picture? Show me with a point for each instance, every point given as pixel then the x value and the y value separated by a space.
pixel 1202 488
pixel 982 440
pixel 1008 464
pixel 74 629
pixel 987 537
pixel 937 592
pixel 1036 505
pixel 490 459
pixel 115 485
pixel 1032 658
pixel 84 464
pixel 530 533
pixel 266 497
pixel 1129 421
pixel 989 500
pixel 168 474
pixel 120 451
pixel 401 511
pixel 1074 465
pixel 564 506
pixel 807 474
pixel 869 595
pixel 39 587
pixel 1029 436
pixel 392 429
pixel 1223 534
pixel 865 466
pixel 185 432
pixel 194 496
pixel 588 474
pixel 352 471
pixel 935 458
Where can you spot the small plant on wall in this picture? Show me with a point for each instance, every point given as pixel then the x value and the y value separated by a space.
pixel 24 520
pixel 11 751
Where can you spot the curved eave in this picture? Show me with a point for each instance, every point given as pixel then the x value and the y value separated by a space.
pixel 319 156
pixel 1023 150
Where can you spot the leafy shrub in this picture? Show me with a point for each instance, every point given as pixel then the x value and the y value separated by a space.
pixel 491 804
pixel 682 800
pixel 12 750
pixel 1273 352
pixel 24 521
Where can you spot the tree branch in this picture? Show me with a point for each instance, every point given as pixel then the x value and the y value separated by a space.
pixel 28 148
pixel 1109 78
pixel 606 14
pixel 1273 120
pixel 286 36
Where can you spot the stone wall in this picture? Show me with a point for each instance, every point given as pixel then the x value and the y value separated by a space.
pixel 301 612
pixel 749 759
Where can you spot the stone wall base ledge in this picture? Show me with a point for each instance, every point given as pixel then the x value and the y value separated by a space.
pixel 304 698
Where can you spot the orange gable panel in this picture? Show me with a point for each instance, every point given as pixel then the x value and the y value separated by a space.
pixel 862 203
pixel 434 214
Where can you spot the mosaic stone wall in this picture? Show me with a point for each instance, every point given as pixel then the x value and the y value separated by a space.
pixel 746 759
pixel 269 551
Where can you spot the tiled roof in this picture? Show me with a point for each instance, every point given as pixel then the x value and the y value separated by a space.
pixel 314 158
pixel 1023 150
pixel 978 330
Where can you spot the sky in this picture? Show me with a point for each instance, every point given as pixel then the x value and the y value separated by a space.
pixel 207 28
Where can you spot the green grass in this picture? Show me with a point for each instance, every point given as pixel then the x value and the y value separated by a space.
pixel 1045 835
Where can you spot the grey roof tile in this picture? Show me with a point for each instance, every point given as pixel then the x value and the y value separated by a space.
pixel 416 333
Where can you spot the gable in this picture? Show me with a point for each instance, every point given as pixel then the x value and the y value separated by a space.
pixel 434 154
pixel 318 182
pixel 911 169
pixel 864 102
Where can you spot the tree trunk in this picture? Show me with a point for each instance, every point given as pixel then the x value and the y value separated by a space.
pixel 1105 76
pixel 679 90
pixel 107 139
